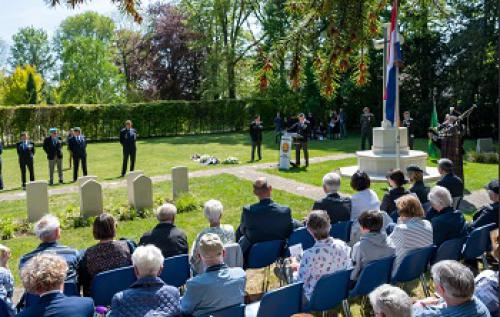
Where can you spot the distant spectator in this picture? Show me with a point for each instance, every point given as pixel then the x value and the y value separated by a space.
pixel 396 180
pixel 337 207
pixel 219 287
pixel 390 301
pixel 343 123
pixel 489 213
pixel 44 275
pixel 454 283
pixel 278 127
pixel 373 244
pixel 412 231
pixel 48 230
pixel 448 178
pixel 447 223
pixel 106 255
pixel 170 239
pixel 416 176
pixel 6 280
pixel 213 213
pixel 149 295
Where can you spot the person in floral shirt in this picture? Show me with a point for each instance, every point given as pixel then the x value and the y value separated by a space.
pixel 6 279
pixel 328 255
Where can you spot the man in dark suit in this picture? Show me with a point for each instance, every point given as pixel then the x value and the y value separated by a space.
pixel 128 136
pixel 256 136
pixel 337 207
pixel 302 128
pixel 166 236
pixel 367 120
pixel 48 283
pixel 489 213
pixel 78 146
pixel 52 145
pixel 448 178
pixel 265 220
pixel 408 123
pixel 25 153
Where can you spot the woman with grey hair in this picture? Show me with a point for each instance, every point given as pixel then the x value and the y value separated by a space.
pixel 212 210
pixel 390 301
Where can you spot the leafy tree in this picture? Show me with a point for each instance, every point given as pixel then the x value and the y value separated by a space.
pixel 129 6
pixel 3 52
pixel 31 47
pixel 18 88
pixel 31 89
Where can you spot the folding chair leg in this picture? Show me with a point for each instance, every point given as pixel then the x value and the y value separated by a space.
pixel 485 262
pixel 345 306
pixel 424 286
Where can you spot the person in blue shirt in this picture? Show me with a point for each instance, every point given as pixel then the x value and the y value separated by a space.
pixel 219 287
pixel 454 283
pixel 25 152
pixel 78 147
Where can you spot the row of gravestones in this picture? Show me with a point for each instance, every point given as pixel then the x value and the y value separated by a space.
pixel 139 192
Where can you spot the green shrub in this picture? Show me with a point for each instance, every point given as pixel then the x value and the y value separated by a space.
pixel 186 203
pixel 484 157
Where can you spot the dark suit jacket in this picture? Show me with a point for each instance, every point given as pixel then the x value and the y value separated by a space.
pixel 168 238
pixel 264 221
pixel 53 150
pixel 388 205
pixel 448 224
pixel 337 207
pixel 302 129
pixel 485 215
pixel 256 131
pixel 78 146
pixel 421 191
pixel 453 183
pixel 128 138
pixel 25 153
pixel 59 305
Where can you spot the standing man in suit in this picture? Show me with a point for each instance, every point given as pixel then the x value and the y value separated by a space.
pixel 1 179
pixel 78 146
pixel 367 120
pixel 408 123
pixel 128 136
pixel 302 128
pixel 256 136
pixel 25 152
pixel 52 145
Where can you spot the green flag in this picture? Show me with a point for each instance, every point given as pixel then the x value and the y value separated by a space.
pixel 432 149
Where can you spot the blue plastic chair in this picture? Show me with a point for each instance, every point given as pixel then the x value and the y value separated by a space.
pixel 176 270
pixel 330 291
pixel 262 255
pixel 281 302
pixel 70 289
pixel 478 242
pixel 233 311
pixel 374 274
pixel 4 310
pixel 413 266
pixel 301 236
pixel 341 230
pixel 107 284
pixel 449 250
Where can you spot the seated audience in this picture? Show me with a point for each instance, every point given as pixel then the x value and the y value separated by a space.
pixel 106 255
pixel 373 244
pixel 448 179
pixel 219 287
pixel 396 181
pixel 6 280
pixel 327 255
pixel 412 231
pixel 454 283
pixel 486 290
pixel 44 275
pixel 48 230
pixel 166 236
pixel 416 176
pixel 447 223
pixel 487 214
pixel 149 295
pixel 337 207
pixel 265 220
pixel 213 212
pixel 390 301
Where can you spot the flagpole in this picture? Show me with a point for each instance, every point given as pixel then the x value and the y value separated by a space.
pixel 396 114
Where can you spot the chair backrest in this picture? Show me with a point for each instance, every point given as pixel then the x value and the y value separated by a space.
pixel 281 302
pixel 330 290
pixel 301 236
pixel 176 270
pixel 374 274
pixel 478 242
pixel 107 284
pixel 263 254
pixel 341 230
pixel 449 250
pixel 233 311
pixel 4 310
pixel 413 264
pixel 70 289
pixel 233 256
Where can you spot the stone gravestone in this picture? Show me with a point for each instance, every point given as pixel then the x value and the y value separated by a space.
pixel 37 200
pixel 142 193
pixel 180 180
pixel 131 176
pixel 485 145
pixel 90 199
pixel 83 179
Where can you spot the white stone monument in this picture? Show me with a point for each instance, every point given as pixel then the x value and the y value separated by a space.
pixel 37 200
pixel 180 181
pixel 485 146
pixel 130 179
pixel 91 199
pixel 285 151
pixel 142 193
pixel 83 179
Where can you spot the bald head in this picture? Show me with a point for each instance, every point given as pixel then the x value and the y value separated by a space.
pixel 261 188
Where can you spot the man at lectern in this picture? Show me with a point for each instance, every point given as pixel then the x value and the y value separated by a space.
pixel 302 128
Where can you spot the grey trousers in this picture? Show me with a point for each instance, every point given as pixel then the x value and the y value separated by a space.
pixel 57 162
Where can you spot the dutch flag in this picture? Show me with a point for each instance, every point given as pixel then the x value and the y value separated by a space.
pixel 394 56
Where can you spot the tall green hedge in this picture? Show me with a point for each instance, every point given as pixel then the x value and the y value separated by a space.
pixel 160 118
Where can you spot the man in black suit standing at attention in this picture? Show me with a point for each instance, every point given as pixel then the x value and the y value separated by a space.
pixel 302 128
pixel 78 146
pixel 25 152
pixel 256 136
pixel 128 136
pixel 52 145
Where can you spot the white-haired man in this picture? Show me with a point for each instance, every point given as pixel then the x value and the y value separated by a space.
pixel 390 301
pixel 448 178
pixel 166 236
pixel 337 207
pixel 454 283
pixel 149 295
pixel 48 230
